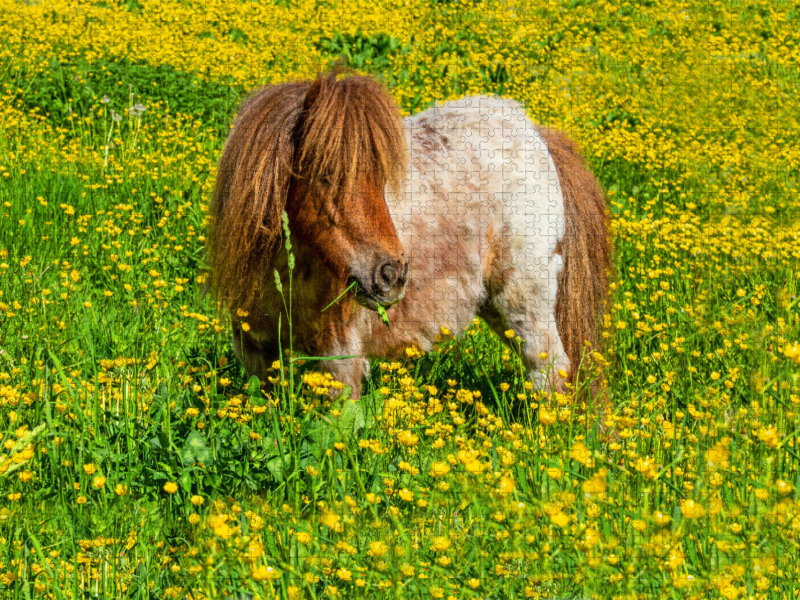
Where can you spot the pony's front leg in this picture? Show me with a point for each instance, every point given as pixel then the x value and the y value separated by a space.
pixel 349 371
pixel 251 350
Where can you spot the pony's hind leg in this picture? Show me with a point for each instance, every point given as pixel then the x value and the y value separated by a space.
pixel 526 304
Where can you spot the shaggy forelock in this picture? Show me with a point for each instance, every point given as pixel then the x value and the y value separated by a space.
pixel 351 125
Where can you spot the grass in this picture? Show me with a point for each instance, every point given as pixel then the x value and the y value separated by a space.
pixel 138 460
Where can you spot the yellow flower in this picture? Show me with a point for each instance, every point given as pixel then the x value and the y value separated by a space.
pixel 465 396
pixel 440 544
pixel 769 436
pixel 559 519
pixel 263 572
pixel 467 456
pixel 510 333
pixel 691 509
pixel 546 417
pixel 792 352
pixel 506 485
pixel 407 495
pixel 377 549
pixel 89 469
pixel 81 500
pixel 344 574
pixel 408 438
pixel 646 466
pixel 194 518
pixel 676 557
pixel 219 524
pixel 121 490
pixel 784 487
pixel 554 473
pixel 329 519
pixel 718 454
pixel 727 589
pixel 595 486
pixel 98 482
pixel 580 453
pixel 303 537
pixel 413 352
pixel 474 583
pixel 475 467
pixel 439 469
pixel 197 500
pixel 591 537
pixel 170 487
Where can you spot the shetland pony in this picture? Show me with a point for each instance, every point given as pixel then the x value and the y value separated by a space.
pixel 465 209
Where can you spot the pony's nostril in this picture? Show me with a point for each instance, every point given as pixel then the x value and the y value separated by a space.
pixel 388 276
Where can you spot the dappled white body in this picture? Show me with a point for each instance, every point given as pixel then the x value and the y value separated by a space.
pixel 480 218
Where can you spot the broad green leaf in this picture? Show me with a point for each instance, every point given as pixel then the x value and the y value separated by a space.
pixel 253 386
pixel 196 450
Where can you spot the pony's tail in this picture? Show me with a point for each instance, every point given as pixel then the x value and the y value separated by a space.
pixel 583 283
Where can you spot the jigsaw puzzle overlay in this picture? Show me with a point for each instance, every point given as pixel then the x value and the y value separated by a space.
pixel 440 299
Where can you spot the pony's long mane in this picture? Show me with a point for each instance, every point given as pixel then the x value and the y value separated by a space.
pixel 583 284
pixel 327 127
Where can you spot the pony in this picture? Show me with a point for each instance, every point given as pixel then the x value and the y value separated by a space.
pixel 466 209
